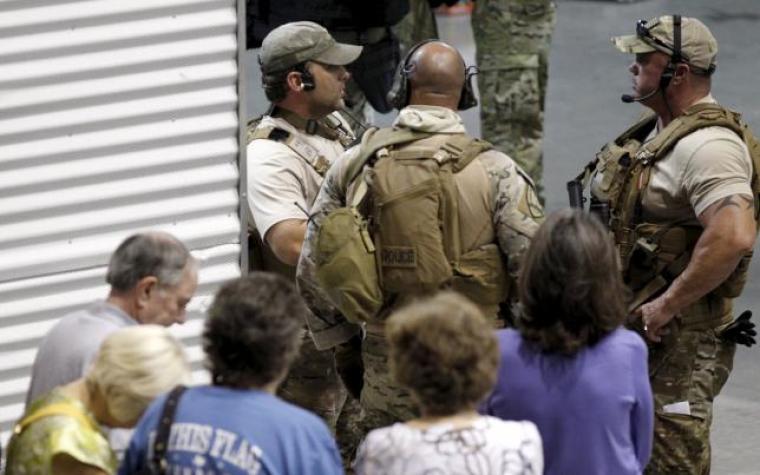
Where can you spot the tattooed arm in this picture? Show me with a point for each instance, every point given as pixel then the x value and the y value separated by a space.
pixel 729 234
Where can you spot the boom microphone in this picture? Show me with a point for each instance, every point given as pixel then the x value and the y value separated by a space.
pixel 627 98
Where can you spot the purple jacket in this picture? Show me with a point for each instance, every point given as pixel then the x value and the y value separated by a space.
pixel 594 410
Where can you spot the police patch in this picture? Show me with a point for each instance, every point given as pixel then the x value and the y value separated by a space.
pixel 398 256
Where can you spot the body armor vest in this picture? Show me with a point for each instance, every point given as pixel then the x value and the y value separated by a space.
pixel 260 255
pixel 653 255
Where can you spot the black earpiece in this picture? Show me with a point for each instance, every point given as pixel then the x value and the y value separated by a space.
pixel 307 79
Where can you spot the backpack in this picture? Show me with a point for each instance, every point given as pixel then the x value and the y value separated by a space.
pixel 403 238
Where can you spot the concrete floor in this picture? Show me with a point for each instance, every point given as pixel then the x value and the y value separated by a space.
pixel 583 110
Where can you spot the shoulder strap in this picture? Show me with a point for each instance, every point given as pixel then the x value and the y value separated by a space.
pixel 376 139
pixel 302 148
pixel 164 429
pixel 694 118
pixel 463 149
pixel 55 409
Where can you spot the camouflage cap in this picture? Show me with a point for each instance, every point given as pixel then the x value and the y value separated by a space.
pixel 299 41
pixel 698 45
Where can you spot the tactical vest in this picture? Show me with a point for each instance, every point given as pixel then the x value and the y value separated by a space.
pixel 653 255
pixel 420 241
pixel 260 255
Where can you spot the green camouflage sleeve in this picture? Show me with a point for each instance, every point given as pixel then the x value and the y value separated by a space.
pixel 328 327
pixel 517 213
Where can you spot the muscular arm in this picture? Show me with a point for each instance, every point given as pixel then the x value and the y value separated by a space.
pixel 286 239
pixel 729 234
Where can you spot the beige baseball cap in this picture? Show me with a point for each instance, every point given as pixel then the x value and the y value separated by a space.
pixel 698 45
pixel 299 41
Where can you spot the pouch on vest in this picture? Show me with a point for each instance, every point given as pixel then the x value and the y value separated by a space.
pixel 614 163
pixel 346 267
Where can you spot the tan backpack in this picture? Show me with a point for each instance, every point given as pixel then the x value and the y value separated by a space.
pixel 403 237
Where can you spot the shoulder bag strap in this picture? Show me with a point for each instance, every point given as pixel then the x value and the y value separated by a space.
pixel 164 429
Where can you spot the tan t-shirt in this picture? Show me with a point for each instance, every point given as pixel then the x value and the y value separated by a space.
pixel 704 167
pixel 279 180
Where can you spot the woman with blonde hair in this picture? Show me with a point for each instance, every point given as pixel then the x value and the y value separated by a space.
pixel 445 353
pixel 60 432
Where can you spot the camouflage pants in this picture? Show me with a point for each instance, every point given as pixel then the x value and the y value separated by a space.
pixel 419 24
pixel 690 366
pixel 512 40
pixel 313 383
pixel 383 401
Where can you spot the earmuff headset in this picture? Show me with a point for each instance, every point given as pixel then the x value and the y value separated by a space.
pixel 398 96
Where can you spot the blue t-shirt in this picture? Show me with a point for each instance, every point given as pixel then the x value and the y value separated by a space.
pixel 593 410
pixel 219 430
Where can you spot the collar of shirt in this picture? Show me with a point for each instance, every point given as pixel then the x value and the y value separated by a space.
pixel 112 312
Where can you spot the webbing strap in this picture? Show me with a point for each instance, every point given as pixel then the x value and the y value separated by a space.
pixel 303 149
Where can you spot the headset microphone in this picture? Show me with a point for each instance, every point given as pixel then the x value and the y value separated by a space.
pixel 627 98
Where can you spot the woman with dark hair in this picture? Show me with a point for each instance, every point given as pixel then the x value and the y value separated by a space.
pixel 238 425
pixel 444 352
pixel 570 366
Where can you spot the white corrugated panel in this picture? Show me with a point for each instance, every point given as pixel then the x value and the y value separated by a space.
pixel 115 117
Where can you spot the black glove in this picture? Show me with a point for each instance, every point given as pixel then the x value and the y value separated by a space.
pixel 349 365
pixel 741 330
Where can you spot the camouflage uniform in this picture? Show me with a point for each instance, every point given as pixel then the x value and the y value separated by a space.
pixel 512 39
pixel 692 364
pixel 515 215
pixel 419 24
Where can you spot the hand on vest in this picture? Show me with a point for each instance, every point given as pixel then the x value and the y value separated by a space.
pixel 655 316
pixel 741 330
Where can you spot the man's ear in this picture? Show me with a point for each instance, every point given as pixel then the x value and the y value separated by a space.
pixel 144 288
pixel 680 73
pixel 294 81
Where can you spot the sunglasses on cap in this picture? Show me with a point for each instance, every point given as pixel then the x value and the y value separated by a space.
pixel 642 31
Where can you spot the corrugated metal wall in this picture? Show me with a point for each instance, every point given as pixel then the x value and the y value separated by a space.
pixel 115 116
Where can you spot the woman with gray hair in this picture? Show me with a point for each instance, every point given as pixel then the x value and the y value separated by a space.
pixel 60 432
pixel 444 352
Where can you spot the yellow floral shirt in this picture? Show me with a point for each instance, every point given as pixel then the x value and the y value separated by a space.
pixel 31 450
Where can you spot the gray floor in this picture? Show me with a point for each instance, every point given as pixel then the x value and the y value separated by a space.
pixel 583 110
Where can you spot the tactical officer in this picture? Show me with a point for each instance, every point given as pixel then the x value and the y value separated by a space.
pixel 304 76
pixel 679 190
pixel 512 39
pixel 444 209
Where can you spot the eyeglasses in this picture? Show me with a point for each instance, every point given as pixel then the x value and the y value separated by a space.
pixel 642 31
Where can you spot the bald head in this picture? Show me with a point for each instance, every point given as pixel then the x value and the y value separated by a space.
pixel 436 73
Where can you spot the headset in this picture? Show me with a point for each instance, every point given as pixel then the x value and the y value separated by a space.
pixel 398 96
